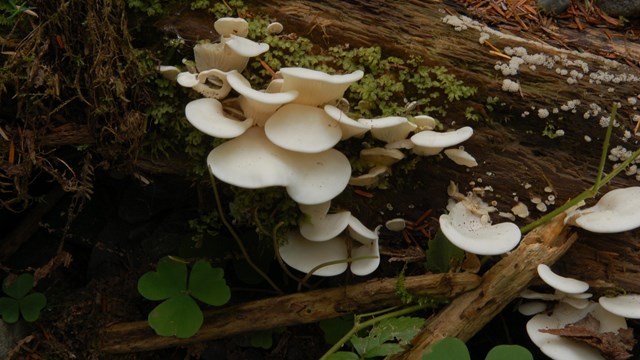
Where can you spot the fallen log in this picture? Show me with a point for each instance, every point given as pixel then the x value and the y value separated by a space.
pixel 295 309
pixel 470 312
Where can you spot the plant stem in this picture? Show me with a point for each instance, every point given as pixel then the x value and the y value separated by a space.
pixel 357 325
pixel 237 238
pixel 600 180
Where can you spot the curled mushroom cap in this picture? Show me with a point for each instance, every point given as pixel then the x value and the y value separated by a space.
pixel 274 28
pixel 207 115
pixel 252 161
pixel 316 87
pixel 211 83
pixel 627 306
pixel 371 178
pixel 304 255
pixel 227 26
pixel 381 156
pixel 431 142
pixel 302 128
pixel 617 211
pixel 218 56
pixel 461 157
pixel 258 105
pixel 389 129
pixel 350 128
pixel 245 47
pixel 468 231
pixel 362 267
pixel 424 122
pixel 564 284
pixel 561 348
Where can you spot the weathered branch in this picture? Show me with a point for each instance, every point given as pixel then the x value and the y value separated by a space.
pixel 470 312
pixel 300 308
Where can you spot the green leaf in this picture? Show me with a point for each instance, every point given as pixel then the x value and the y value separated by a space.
pixel 334 329
pixel 17 287
pixel 207 284
pixel 262 339
pixel 343 355
pixel 441 252
pixel 179 316
pixel 449 348
pixel 9 310
pixel 169 280
pixel 31 305
pixel 400 329
pixel 509 352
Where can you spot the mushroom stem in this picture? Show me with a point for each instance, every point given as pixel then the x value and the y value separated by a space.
pixel 600 181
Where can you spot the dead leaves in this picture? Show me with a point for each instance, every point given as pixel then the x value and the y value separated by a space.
pixel 612 346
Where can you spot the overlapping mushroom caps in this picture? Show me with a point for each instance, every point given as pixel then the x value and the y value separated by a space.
pixel 325 238
pixel 574 309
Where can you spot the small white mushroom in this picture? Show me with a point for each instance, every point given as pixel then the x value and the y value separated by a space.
pixel 302 128
pixel 431 142
pixel 245 47
pixel 389 129
pixel 468 231
pixel 520 209
pixel 564 284
pixel 424 122
pixel 371 178
pixel 274 28
pixel 316 87
pixel 362 267
pixel 211 83
pixel 207 115
pixel 397 224
pixel 380 156
pixel 532 308
pixel 617 211
pixel 461 157
pixel 627 306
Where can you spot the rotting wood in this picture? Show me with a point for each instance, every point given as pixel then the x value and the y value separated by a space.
pixel 300 308
pixel 470 312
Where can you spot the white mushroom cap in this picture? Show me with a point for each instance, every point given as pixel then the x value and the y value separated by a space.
pixel 211 83
pixel 326 227
pixel 350 128
pixel 360 233
pixel 564 284
pixel 397 224
pixel 304 255
pixel 316 87
pixel 274 28
pixel 169 72
pixel 389 129
pixel 207 115
pixel 424 122
pixel 227 26
pixel 461 157
pixel 627 306
pixel 245 47
pixel 617 211
pixel 302 128
pixel 432 142
pixel 252 161
pixel 371 178
pixel 364 267
pixel 218 56
pixel 532 308
pixel 560 348
pixel 381 156
pixel 258 105
pixel 467 231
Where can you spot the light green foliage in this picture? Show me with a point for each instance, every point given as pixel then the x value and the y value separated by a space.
pixel 11 10
pixel 550 131
pixel 149 7
pixel 442 254
pixel 471 114
pixel 179 314
pixel 451 348
pixel 20 299
pixel 388 337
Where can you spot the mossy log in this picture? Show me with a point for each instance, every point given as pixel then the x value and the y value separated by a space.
pixel 516 161
pixel 295 309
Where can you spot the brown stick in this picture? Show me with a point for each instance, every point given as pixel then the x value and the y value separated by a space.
pixel 470 312
pixel 289 310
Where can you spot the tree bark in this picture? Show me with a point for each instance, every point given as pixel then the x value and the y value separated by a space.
pixel 295 309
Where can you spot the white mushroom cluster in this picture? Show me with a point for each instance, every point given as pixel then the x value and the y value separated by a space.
pixel 285 135
pixel 573 306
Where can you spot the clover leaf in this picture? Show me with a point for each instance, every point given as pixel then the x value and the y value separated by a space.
pixel 179 314
pixel 19 300
pixel 451 348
